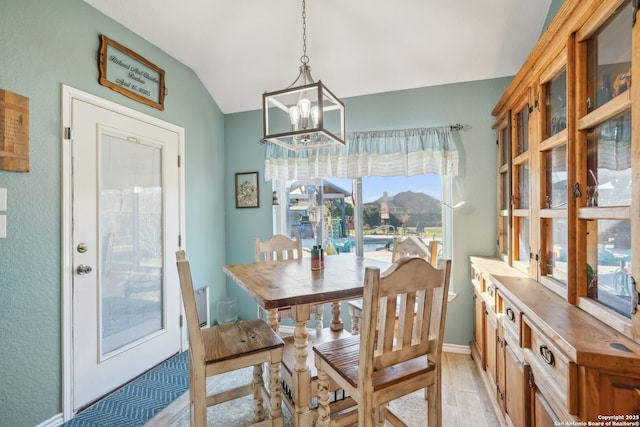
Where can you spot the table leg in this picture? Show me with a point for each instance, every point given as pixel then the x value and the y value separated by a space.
pixel 336 322
pixel 272 319
pixel 302 374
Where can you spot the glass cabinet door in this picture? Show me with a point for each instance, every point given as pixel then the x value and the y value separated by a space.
pixel 504 186
pixel 554 177
pixel 521 245
pixel 605 130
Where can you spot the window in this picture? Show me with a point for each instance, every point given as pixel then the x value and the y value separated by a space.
pixel 392 206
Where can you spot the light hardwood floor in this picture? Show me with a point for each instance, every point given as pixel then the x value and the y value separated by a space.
pixel 464 399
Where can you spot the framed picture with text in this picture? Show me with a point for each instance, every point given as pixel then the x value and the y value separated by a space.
pixel 247 190
pixel 128 73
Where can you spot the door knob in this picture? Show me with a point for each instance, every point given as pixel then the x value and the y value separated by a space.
pixel 83 269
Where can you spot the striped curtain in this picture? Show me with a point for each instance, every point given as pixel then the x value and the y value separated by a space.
pixel 404 152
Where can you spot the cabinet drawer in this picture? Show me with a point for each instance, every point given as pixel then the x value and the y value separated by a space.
pixel 476 278
pixel 479 279
pixel 512 316
pixel 489 296
pixel 553 370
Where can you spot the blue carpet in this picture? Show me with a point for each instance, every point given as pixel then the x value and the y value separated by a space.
pixel 140 400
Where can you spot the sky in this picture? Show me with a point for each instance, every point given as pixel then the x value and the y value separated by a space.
pixel 374 187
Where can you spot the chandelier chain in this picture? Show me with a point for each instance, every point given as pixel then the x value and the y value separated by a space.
pixel 304 59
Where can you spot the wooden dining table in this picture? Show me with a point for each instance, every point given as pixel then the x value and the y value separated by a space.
pixel 279 284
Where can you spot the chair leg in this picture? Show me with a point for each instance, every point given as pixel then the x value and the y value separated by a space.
pixel 198 398
pixel 324 413
pixel 275 403
pixel 258 382
pixel 434 415
pixel 367 414
pixel 380 416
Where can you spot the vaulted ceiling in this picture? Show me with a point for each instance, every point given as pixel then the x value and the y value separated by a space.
pixel 242 48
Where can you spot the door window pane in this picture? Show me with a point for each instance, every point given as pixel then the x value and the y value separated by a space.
pixel 556 239
pixel 522 145
pixel 523 186
pixel 556 178
pixel 609 264
pixel 505 200
pixel 503 234
pixel 609 162
pixel 131 266
pixel 609 59
pixel 523 239
pixel 504 147
pixel 556 117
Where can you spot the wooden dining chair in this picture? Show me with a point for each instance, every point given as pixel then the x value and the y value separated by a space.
pixel 385 362
pixel 414 247
pixel 410 247
pixel 277 248
pixel 225 348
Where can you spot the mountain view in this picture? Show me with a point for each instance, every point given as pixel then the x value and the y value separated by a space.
pixel 407 208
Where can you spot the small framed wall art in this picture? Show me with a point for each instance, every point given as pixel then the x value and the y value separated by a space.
pixel 247 190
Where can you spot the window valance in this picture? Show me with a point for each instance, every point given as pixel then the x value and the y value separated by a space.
pixel 404 152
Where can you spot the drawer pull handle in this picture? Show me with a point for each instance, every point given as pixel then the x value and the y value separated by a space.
pixel 510 314
pixel 547 355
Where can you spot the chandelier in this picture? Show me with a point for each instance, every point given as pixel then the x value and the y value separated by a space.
pixel 305 115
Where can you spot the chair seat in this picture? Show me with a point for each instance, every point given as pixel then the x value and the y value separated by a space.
pixel 342 356
pixel 228 341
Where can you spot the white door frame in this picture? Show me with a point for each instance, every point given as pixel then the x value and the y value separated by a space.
pixel 68 94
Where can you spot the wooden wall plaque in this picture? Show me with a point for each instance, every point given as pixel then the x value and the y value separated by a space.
pixel 14 132
pixel 128 73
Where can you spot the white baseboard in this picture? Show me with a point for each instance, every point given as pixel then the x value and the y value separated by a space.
pixel 456 348
pixel 55 421
pixel 447 348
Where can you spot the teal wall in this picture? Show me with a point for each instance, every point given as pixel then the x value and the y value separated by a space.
pixel 474 225
pixel 44 44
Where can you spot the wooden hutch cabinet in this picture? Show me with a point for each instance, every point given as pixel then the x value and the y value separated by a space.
pixel 557 330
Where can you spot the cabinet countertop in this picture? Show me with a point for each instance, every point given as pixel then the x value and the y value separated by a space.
pixel 584 339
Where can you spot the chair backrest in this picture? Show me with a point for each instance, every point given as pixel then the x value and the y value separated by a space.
pixel 277 248
pixel 414 247
pixel 196 343
pixel 410 288
pixel 433 253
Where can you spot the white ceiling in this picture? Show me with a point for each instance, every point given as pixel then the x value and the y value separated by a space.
pixel 242 48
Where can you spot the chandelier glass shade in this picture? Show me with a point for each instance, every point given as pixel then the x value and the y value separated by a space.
pixel 306 115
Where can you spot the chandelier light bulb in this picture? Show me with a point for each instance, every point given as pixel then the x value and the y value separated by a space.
pixel 305 107
pixel 294 116
pixel 315 115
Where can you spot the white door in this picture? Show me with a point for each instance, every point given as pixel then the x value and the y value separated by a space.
pixel 126 225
